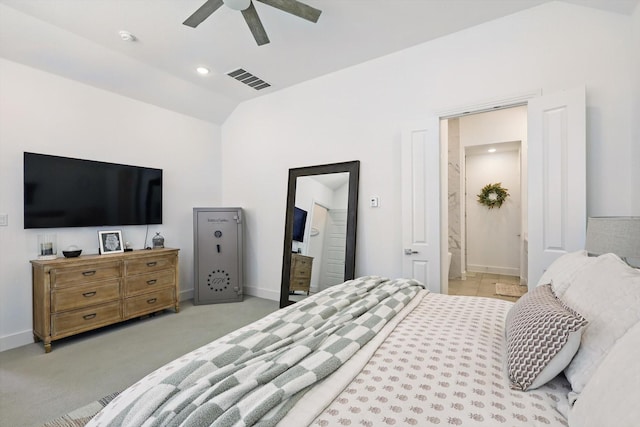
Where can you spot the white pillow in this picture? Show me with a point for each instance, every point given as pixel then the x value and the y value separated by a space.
pixel 563 271
pixel 542 337
pixel 611 396
pixel 607 293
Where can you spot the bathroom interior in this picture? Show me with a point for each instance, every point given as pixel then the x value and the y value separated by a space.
pixel 487 246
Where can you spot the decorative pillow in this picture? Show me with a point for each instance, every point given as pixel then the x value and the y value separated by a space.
pixel 607 292
pixel 563 271
pixel 611 396
pixel 542 337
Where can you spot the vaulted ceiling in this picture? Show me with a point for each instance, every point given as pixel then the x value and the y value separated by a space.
pixel 80 40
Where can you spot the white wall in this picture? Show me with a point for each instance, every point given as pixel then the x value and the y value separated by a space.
pixel 493 235
pixel 635 131
pixel 358 114
pixel 44 113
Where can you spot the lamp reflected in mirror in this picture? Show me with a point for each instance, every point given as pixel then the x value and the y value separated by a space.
pixel 320 223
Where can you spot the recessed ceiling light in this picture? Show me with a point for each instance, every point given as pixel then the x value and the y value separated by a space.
pixel 203 70
pixel 491 150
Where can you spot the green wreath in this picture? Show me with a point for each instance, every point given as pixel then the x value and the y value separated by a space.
pixel 493 195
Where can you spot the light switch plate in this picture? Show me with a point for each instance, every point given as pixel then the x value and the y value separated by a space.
pixel 374 201
pixel 4 219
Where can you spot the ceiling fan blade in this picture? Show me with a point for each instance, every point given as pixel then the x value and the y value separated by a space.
pixel 203 13
pixel 255 25
pixel 296 8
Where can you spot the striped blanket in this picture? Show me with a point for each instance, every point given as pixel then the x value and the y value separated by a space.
pixel 255 378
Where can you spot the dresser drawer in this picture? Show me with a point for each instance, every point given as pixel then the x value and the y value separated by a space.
pixel 73 322
pixel 85 295
pixel 299 284
pixel 148 303
pixel 142 283
pixel 300 261
pixel 68 276
pixel 148 264
pixel 301 274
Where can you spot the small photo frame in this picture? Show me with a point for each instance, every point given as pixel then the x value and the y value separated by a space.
pixel 110 241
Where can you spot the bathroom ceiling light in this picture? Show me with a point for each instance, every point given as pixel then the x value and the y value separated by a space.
pixel 491 150
pixel 203 70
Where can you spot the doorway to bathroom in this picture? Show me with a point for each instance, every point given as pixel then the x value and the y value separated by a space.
pixel 487 246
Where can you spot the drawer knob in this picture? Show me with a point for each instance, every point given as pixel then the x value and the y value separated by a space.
pixel 89 316
pixel 89 294
pixel 151 264
pixel 151 282
pixel 152 300
pixel 89 273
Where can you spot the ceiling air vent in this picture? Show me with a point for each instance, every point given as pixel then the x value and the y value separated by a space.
pixel 248 79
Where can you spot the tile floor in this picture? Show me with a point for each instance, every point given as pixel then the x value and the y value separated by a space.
pixel 476 284
pixel 481 284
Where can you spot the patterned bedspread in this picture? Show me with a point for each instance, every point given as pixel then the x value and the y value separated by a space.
pixel 444 365
pixel 401 357
pixel 257 375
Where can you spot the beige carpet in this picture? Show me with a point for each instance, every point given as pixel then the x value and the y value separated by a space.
pixel 510 289
pixel 89 366
pixel 81 416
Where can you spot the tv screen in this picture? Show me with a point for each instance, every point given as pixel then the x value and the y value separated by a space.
pixel 66 192
pixel 299 220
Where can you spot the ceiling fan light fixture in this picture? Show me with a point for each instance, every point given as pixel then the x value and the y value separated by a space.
pixel 237 4
pixel 127 36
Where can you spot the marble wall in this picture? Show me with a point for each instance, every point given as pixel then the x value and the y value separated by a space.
pixel 454 196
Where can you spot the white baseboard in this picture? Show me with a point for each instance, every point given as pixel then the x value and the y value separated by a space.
pixel 16 340
pixel 185 294
pixel 262 293
pixel 507 271
pixel 254 291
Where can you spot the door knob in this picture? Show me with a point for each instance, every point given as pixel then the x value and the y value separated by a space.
pixel 410 252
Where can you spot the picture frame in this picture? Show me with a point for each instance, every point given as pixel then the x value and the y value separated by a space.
pixel 110 242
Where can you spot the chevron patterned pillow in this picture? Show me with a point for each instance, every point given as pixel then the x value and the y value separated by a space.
pixel 543 335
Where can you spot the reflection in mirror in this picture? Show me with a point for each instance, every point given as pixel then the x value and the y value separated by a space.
pixel 319 248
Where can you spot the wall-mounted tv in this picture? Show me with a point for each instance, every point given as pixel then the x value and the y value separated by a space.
pixel 66 192
pixel 299 221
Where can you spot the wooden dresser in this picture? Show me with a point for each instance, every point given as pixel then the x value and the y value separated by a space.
pixel 74 295
pixel 300 275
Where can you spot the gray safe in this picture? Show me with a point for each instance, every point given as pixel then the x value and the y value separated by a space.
pixel 217 238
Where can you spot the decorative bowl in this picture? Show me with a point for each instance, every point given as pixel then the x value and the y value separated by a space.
pixel 72 254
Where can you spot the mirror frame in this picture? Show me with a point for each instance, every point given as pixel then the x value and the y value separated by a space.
pixel 353 168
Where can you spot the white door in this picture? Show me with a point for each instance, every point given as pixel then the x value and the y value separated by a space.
pixel 335 245
pixel 557 178
pixel 316 237
pixel 556 188
pixel 420 178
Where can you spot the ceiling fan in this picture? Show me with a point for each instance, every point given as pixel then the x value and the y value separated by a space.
pixel 250 14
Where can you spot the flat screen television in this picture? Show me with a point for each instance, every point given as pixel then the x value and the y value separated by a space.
pixel 299 221
pixel 66 192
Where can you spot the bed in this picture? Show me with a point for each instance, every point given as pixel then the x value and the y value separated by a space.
pixel 374 352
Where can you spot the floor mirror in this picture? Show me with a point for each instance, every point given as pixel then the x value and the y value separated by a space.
pixel 320 229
